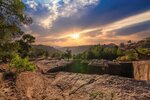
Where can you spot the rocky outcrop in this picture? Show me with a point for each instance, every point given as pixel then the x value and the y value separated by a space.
pixel 124 69
pixel 71 86
pixel 46 66
pixel 75 86
pixel 141 70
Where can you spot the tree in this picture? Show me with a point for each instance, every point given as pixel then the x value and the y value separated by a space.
pixel 46 54
pixel 37 52
pixel 120 52
pixel 67 54
pixel 122 45
pixel 25 44
pixel 56 55
pixel 136 46
pixel 11 18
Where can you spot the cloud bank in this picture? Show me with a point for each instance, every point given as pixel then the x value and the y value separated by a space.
pixel 56 9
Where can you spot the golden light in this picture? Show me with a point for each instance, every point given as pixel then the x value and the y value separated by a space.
pixel 75 36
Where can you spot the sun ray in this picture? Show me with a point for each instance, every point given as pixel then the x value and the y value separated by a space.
pixel 75 36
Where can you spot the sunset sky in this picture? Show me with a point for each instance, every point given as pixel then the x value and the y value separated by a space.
pixel 86 22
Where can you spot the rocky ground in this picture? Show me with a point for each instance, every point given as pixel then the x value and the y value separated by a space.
pixel 73 86
pixel 8 91
pixel 69 86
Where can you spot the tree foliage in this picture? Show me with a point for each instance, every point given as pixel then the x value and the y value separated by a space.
pixel 25 45
pixel 125 52
pixel 141 48
pixel 67 54
pixel 12 38
pixel 22 64
pixel 101 52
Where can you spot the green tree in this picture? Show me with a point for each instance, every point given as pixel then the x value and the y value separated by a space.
pixel 11 18
pixel 137 46
pixel 25 45
pixel 67 54
pixel 56 54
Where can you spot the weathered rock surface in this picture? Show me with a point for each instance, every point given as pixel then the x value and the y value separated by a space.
pixel 31 84
pixel 71 86
pixel 46 66
pixel 142 70
pixel 8 90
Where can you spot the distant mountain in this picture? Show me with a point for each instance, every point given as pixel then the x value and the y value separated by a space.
pixel 81 49
pixel 46 48
pixel 109 45
pixel 76 49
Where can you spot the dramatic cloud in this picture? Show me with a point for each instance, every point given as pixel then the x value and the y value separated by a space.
pixel 133 29
pixel 126 26
pixel 135 19
pixel 94 21
pixel 31 4
pixel 58 8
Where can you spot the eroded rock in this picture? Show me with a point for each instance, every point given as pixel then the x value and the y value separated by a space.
pixel 142 70
pixel 71 86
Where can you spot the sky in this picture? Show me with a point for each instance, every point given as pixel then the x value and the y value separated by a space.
pixel 87 22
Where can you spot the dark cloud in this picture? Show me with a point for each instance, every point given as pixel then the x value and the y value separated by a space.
pixel 133 29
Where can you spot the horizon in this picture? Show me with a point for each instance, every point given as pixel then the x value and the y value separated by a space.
pixel 67 23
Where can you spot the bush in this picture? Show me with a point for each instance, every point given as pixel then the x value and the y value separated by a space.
pixel 128 57
pixel 21 64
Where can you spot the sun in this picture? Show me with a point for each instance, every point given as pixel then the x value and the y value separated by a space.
pixel 75 36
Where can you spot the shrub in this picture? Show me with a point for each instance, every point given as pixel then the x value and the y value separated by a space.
pixel 22 64
pixel 128 57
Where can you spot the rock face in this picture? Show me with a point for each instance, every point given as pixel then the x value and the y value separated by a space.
pixel 124 69
pixel 142 70
pixel 71 86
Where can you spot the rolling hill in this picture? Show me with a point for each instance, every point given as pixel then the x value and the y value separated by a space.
pixel 76 49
